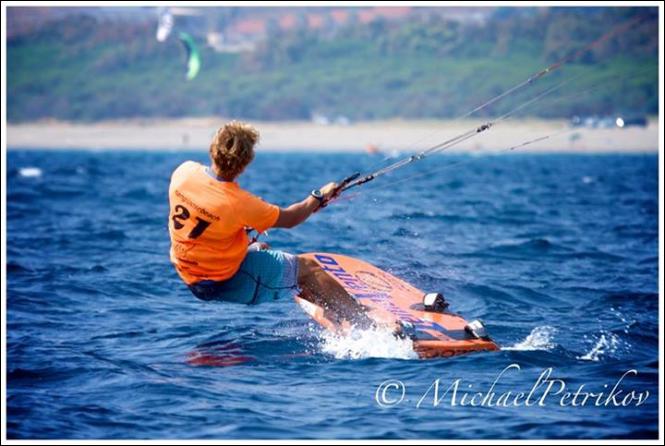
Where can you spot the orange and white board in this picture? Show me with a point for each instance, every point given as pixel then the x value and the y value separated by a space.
pixel 434 334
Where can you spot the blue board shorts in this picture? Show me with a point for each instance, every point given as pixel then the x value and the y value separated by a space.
pixel 264 276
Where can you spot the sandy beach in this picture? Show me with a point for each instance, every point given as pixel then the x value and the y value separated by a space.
pixel 386 136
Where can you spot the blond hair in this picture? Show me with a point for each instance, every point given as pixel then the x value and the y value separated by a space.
pixel 232 148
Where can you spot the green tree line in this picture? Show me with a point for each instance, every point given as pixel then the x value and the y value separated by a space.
pixel 87 68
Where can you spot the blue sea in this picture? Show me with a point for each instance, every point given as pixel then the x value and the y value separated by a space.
pixel 557 254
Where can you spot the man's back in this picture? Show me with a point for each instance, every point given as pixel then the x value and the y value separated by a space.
pixel 207 220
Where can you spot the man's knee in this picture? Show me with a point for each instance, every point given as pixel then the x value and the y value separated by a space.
pixel 307 267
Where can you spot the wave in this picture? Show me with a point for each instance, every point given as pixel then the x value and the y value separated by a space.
pixel 541 247
pixel 30 172
pixel 511 249
pixel 540 338
pixel 607 344
pixel 435 216
pixel 370 343
pixel 15 267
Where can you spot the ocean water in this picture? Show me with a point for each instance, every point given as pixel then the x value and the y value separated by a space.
pixel 557 254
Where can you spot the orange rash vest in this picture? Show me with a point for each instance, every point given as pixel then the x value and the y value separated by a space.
pixel 207 222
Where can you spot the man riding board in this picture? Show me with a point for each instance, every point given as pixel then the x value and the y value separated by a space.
pixel 210 215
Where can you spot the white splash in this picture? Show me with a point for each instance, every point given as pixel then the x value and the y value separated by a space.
pixel 540 338
pixel 627 323
pixel 607 343
pixel 370 343
pixel 30 172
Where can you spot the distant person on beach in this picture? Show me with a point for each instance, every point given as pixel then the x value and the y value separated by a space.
pixel 210 215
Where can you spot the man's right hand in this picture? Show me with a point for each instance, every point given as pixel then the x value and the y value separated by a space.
pixel 329 190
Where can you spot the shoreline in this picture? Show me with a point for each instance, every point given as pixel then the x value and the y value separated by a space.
pixel 194 134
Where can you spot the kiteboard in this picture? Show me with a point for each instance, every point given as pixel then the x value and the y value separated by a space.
pixel 435 331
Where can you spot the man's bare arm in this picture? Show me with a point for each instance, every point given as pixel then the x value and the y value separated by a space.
pixel 299 212
pixel 296 213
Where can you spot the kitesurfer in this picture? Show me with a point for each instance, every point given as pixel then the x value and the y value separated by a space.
pixel 208 222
